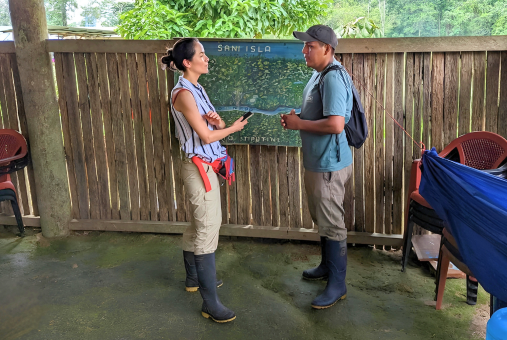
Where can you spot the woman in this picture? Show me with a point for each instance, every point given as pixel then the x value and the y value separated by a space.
pixel 199 129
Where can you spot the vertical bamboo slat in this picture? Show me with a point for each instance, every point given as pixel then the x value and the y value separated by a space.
pixel 437 101
pixel 426 132
pixel 409 116
pixel 86 125
pixel 129 136
pixel 166 141
pixel 379 145
pixel 502 112
pixel 465 92
pixel 307 218
pixel 273 179
pixel 492 75
pixel 144 209
pixel 105 100
pixel 283 187
pixel 156 126
pixel 232 195
pixel 69 155
pixel 479 76
pixel 294 191
pixel 255 183
pixel 76 138
pixel 451 85
pixel 243 185
pixel 148 139
pixel 398 198
pixel 369 145
pixel 348 200
pixel 98 136
pixel 358 71
pixel 265 187
pixel 120 155
pixel 389 143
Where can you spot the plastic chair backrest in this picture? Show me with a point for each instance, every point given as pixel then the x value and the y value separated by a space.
pixel 13 148
pixel 479 150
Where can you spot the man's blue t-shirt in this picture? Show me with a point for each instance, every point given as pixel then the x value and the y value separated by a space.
pixel 326 153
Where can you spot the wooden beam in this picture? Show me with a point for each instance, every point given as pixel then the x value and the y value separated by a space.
pixel 367 45
pixel 436 44
pixel 28 220
pixel 164 227
pixel 109 46
pixel 7 47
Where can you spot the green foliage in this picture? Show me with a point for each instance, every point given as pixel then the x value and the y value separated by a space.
pixel 361 28
pixel 402 18
pixel 106 11
pixel 57 11
pixel 164 19
pixel 5 18
pixel 113 10
pixel 447 17
pixel 152 20
pixel 345 12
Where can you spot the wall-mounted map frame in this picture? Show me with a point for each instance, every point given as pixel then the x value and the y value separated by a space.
pixel 266 77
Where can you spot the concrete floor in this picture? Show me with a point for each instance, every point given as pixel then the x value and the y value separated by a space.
pixel 131 286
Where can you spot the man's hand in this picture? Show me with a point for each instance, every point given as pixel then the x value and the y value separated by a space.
pixel 291 121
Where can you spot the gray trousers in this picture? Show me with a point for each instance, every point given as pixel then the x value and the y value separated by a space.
pixel 326 191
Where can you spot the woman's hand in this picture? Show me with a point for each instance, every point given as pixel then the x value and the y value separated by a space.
pixel 214 119
pixel 239 125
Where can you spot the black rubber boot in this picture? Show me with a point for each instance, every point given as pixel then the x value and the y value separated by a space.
pixel 211 305
pixel 191 282
pixel 319 272
pixel 336 259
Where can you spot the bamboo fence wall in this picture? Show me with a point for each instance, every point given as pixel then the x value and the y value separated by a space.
pixel 123 158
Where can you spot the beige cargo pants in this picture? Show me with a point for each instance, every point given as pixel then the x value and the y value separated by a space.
pixel 326 191
pixel 201 237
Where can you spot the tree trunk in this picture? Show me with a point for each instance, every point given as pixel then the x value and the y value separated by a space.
pixel 64 14
pixel 42 114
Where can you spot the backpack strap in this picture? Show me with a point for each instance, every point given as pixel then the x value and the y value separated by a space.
pixel 327 70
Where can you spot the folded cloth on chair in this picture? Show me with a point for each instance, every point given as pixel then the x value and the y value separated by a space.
pixel 473 204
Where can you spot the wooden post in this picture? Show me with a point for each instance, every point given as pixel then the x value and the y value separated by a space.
pixel 44 129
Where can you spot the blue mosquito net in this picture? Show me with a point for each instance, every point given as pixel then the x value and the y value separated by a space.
pixel 474 205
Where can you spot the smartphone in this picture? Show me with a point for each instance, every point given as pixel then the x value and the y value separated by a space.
pixel 247 115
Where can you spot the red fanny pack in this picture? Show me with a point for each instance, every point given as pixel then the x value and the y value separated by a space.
pixel 223 166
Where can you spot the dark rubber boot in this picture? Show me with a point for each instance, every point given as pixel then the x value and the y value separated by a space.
pixel 336 259
pixel 319 272
pixel 211 305
pixel 191 282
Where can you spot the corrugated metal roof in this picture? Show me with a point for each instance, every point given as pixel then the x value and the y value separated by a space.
pixel 78 32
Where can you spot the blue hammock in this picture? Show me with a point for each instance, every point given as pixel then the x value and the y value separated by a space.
pixel 474 205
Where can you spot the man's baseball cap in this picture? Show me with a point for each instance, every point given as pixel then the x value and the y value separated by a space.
pixel 320 33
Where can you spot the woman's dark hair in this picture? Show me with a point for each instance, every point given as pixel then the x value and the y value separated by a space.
pixel 182 49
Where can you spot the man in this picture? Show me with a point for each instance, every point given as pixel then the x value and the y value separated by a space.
pixel 327 157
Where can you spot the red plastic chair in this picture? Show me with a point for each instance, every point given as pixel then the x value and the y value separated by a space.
pixel 479 150
pixel 449 252
pixel 13 157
